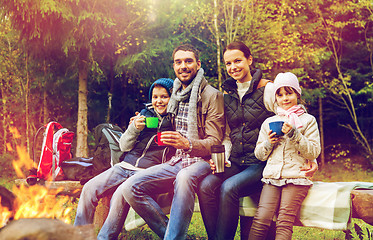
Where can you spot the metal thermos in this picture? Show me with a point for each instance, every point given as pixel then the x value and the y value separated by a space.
pixel 218 156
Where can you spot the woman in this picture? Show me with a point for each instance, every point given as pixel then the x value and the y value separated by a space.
pixel 245 103
pixel 248 102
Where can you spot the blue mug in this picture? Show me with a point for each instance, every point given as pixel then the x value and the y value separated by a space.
pixel 276 127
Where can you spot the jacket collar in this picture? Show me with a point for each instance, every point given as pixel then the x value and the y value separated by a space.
pixel 230 85
pixel 204 83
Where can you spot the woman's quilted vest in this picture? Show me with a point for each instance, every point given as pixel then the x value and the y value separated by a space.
pixel 244 118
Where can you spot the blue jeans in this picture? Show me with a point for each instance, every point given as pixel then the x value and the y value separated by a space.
pixel 219 196
pixel 139 191
pixel 104 184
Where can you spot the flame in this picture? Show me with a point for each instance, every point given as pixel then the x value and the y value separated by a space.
pixel 35 201
pixel 24 162
pixel 5 215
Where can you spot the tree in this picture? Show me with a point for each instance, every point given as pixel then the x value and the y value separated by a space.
pixel 334 20
pixel 78 28
pixel 9 77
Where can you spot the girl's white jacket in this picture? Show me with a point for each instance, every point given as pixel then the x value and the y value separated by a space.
pixel 291 153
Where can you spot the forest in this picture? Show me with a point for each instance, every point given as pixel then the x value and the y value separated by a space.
pixel 86 62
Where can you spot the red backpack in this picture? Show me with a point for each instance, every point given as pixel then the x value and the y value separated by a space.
pixel 55 149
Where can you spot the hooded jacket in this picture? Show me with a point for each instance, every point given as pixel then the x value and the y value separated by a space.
pixel 291 153
pixel 143 152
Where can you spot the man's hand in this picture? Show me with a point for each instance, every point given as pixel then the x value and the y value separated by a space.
pixel 175 139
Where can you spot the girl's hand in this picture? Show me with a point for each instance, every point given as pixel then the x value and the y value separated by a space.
pixel 273 139
pixel 139 122
pixel 286 127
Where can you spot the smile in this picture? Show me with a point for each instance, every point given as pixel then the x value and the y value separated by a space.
pixel 236 73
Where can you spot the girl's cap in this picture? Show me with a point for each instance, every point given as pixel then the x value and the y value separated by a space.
pixel 287 79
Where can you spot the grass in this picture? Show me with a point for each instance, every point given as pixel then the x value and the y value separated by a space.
pixel 341 170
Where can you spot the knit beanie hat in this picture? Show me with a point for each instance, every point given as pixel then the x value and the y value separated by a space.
pixel 167 83
pixel 287 79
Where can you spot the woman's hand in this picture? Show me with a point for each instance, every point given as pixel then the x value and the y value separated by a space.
pixel 213 166
pixel 310 169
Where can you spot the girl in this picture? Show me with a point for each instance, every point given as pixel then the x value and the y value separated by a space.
pixel 285 184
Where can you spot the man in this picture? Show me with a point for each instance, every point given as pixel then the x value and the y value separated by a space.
pixel 198 109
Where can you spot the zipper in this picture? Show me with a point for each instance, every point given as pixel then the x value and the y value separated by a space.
pixel 145 150
pixel 165 151
pixel 150 142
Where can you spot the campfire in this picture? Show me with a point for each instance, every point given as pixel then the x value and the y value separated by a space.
pixel 34 201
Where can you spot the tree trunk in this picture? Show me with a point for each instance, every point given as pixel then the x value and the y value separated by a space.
pixel 216 11
pixel 111 89
pixel 3 119
pixel 45 108
pixel 321 127
pixel 124 121
pixel 27 90
pixel 82 125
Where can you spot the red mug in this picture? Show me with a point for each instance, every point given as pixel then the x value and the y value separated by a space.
pixel 157 139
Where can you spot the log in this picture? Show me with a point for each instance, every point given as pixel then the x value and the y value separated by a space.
pixel 74 188
pixel 362 201
pixel 362 205
pixel 69 188
pixel 102 210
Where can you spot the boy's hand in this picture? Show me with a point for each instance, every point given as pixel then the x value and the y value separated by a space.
pixel 139 122
pixel 133 118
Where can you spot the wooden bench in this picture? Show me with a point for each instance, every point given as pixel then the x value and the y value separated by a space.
pixel 362 206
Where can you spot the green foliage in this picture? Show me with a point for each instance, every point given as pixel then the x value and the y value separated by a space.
pixel 357 232
pixel 327 44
